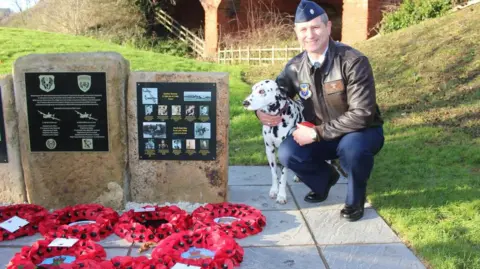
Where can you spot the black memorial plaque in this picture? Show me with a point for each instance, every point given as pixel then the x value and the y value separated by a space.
pixel 3 141
pixel 176 121
pixel 67 111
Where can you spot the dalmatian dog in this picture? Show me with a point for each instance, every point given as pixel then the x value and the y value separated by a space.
pixel 267 97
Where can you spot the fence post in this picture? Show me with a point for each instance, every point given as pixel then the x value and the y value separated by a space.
pixel 273 55
pixel 260 55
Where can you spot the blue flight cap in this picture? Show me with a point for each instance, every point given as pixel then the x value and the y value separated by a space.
pixel 307 11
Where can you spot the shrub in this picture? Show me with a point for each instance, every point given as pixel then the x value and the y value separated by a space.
pixel 412 12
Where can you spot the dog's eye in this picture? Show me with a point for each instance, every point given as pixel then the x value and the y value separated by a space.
pixel 261 91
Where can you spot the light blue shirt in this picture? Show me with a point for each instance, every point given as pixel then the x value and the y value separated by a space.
pixel 321 60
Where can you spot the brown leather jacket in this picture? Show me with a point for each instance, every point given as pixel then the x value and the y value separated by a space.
pixel 343 91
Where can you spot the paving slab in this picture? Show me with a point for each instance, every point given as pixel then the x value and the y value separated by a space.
pixel 249 175
pixel 381 256
pixel 284 228
pixel 281 258
pixel 114 252
pixel 329 228
pixel 22 241
pixel 336 197
pixel 259 175
pixel 254 175
pixel 335 200
pixel 6 254
pixel 257 196
pixel 114 241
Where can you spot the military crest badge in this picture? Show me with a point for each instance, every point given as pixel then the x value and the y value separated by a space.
pixel 47 83
pixel 305 91
pixel 84 82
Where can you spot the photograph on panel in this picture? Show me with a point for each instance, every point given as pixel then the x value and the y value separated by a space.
pixel 197 96
pixel 202 130
pixel 162 110
pixel 149 96
pixel 154 130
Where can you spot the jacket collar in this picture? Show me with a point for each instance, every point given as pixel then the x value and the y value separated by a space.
pixel 327 63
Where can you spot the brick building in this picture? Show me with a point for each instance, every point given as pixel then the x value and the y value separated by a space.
pixel 353 20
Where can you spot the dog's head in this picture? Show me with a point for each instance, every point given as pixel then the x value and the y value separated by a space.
pixel 264 93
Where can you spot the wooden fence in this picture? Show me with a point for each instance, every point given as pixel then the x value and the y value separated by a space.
pixel 257 55
pixel 192 40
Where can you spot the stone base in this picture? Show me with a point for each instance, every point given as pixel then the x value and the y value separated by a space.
pixel 57 179
pixel 12 186
pixel 174 181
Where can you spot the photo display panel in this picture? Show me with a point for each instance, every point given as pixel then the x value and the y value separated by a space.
pixel 176 121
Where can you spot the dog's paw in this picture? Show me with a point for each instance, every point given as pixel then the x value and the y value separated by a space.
pixel 282 199
pixel 273 192
pixel 296 179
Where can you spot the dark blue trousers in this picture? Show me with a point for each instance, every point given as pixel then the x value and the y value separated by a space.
pixel 355 150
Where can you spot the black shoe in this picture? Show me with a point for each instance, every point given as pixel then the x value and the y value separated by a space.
pixel 352 213
pixel 313 197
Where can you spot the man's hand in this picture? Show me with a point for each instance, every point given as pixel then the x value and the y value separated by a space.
pixel 303 135
pixel 268 120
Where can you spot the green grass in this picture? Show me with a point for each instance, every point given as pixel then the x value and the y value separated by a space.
pixel 426 180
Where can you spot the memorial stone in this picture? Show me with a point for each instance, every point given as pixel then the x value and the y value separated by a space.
pixel 178 137
pixel 72 123
pixel 12 186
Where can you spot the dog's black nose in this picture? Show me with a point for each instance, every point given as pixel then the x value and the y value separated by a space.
pixel 246 103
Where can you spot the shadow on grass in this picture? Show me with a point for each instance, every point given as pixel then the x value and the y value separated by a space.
pixel 456 254
pixel 426 185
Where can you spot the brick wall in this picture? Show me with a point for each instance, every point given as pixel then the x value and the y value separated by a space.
pixel 359 17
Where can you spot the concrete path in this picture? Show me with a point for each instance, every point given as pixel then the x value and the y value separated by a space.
pixel 298 235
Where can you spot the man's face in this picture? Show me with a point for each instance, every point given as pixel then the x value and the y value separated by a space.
pixel 313 35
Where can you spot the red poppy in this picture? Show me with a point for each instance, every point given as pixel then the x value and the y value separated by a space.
pixel 237 220
pixel 153 225
pixel 98 222
pixel 85 252
pixel 206 248
pixel 34 214
pixel 141 262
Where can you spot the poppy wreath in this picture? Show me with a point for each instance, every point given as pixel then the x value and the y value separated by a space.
pixel 246 221
pixel 141 262
pixel 153 225
pixel 34 214
pixel 87 254
pixel 222 251
pixel 58 224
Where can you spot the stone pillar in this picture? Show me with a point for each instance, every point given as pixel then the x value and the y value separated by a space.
pixel 12 185
pixel 359 18
pixel 160 178
pixel 211 27
pixel 72 126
